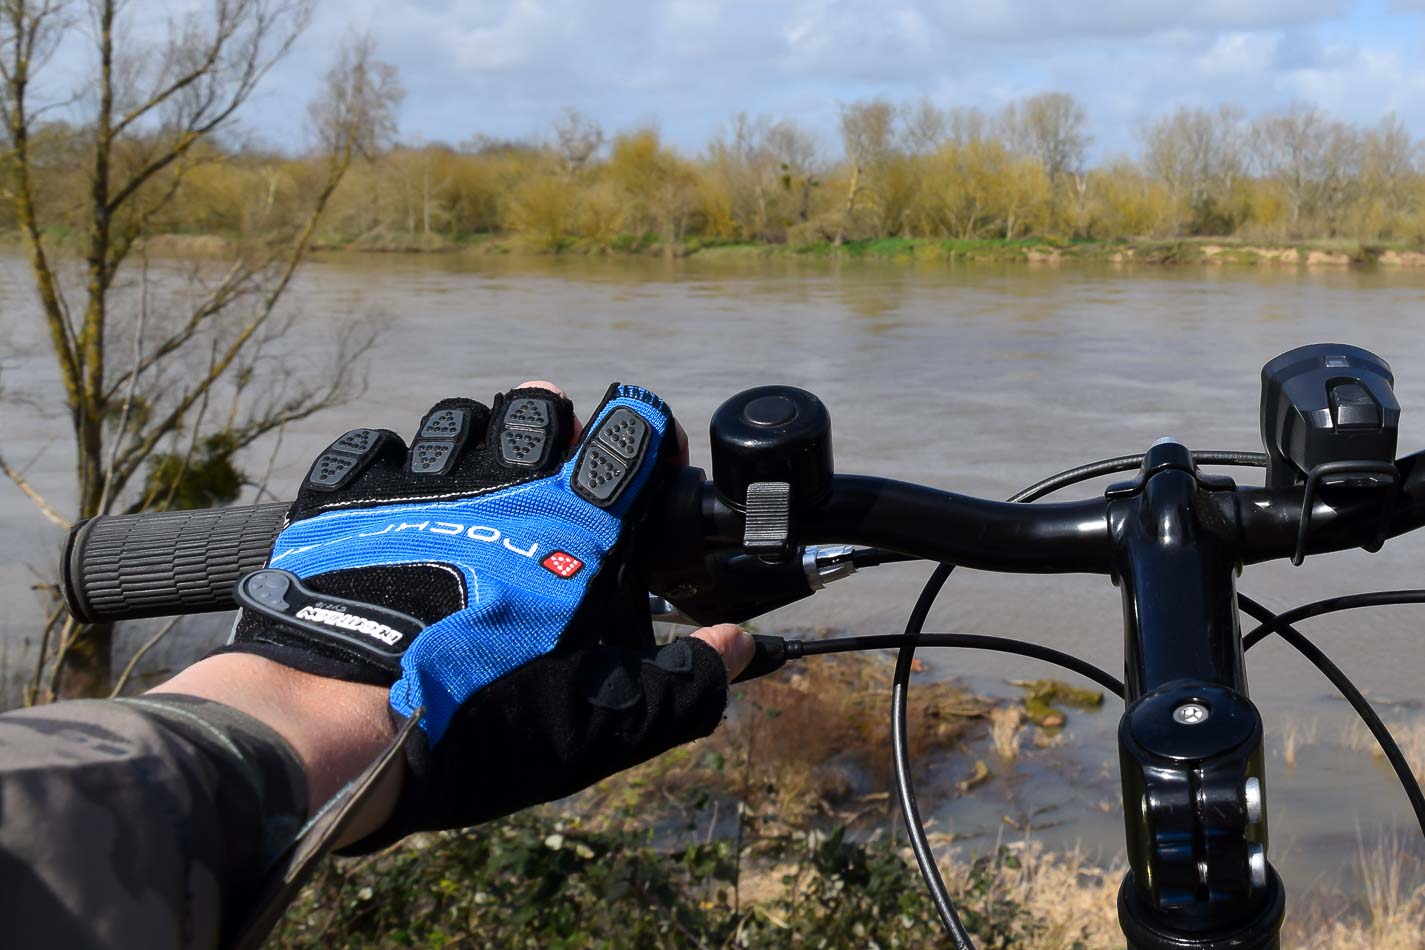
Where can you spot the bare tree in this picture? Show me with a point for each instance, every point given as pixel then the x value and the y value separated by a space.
pixel 750 170
pixel 578 139
pixel 1200 154
pixel 1311 157
pixel 769 167
pixel 161 391
pixel 967 126
pixel 1390 160
pixel 867 134
pixel 924 127
pixel 1051 127
pixel 795 149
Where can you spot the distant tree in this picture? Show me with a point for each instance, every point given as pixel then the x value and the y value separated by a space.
pixel 983 189
pixel 1200 155
pixel 161 391
pixel 966 125
pixel 659 186
pixel 1052 127
pixel 923 126
pixel 1310 156
pixel 1389 168
pixel 577 139
pixel 795 149
pixel 867 134
pixel 768 167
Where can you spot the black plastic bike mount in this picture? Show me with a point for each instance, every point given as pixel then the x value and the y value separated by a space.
pixel 1190 741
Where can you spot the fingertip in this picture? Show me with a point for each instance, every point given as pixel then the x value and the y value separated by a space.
pixel 732 643
pixel 578 427
pixel 543 384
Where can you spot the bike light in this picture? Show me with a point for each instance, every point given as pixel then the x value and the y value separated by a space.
pixel 1327 402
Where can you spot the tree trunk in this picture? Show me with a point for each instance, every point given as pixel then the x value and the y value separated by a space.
pixel 84 666
pixel 850 205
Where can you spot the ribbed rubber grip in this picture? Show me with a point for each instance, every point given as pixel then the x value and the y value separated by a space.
pixel 124 567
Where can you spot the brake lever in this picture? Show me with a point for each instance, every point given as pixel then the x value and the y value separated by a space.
pixel 733 587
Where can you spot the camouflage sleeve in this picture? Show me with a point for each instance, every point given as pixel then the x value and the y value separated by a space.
pixel 143 822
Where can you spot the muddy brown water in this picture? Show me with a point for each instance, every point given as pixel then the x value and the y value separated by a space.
pixel 980 379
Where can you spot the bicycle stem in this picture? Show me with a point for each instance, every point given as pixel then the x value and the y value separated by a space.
pixel 1190 740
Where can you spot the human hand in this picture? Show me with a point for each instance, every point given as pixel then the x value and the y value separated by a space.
pixel 483 575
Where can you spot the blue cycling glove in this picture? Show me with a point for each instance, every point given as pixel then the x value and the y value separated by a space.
pixel 483 574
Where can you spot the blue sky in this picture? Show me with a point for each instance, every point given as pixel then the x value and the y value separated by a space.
pixel 506 67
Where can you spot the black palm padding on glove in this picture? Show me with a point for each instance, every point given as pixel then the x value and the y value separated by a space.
pixel 555 727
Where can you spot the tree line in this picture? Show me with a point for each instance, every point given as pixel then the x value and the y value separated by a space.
pixel 901 170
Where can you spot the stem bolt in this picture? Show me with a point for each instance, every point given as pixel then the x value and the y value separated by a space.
pixel 1252 798
pixel 1257 865
pixel 1190 714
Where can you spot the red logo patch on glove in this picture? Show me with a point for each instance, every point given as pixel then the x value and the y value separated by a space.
pixel 562 565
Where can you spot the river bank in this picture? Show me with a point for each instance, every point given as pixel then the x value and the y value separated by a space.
pixel 1334 253
pixel 780 830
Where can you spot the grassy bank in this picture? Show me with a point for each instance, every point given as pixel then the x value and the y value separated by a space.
pixel 1034 251
pixel 779 831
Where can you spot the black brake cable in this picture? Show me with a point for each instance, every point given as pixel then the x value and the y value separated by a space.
pixel 1282 626
pixel 1379 598
pixel 900 682
pixel 967 641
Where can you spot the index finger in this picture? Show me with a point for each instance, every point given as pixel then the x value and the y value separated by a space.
pixel 578 427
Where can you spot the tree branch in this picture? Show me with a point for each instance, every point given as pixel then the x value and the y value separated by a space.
pixel 142 651
pixel 131 459
pixel 201 119
pixel 45 507
pixel 229 290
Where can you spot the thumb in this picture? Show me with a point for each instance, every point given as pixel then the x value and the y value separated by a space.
pixel 732 643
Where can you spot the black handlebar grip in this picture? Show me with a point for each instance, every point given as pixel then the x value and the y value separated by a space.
pixel 125 567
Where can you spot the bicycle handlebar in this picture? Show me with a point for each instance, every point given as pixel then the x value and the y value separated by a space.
pixel 1173 538
pixel 128 567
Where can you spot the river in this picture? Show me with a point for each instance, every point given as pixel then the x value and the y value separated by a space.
pixel 980 379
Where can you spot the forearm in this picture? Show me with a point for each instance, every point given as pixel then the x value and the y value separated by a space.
pixel 163 814
pixel 145 822
pixel 335 729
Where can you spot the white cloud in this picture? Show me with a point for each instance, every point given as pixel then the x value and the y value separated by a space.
pixel 506 67
pixel 1017 21
pixel 1235 54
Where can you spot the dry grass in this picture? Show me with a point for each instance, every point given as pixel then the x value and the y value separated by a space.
pixel 808 742
pixel 818 741
pixel 1388 914
pixel 1409 735
pixel 1071 901
pixel 1297 733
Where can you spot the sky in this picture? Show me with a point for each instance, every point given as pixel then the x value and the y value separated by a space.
pixel 506 68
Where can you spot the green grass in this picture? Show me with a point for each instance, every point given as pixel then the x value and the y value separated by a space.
pixel 1156 251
